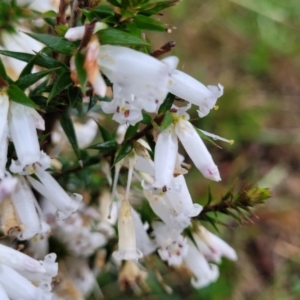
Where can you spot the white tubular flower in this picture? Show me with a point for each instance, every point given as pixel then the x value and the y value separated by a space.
pixel 3 294
pixel 204 272
pixel 173 246
pixel 182 201
pixel 162 207
pixel 188 88
pixel 213 247
pixel 143 242
pixel 86 132
pixel 165 157
pixel 125 111
pixel 25 206
pixel 147 79
pixel 18 287
pixel 127 236
pixel 39 271
pixel 77 33
pixel 7 186
pixel 50 189
pixel 196 149
pixel 23 122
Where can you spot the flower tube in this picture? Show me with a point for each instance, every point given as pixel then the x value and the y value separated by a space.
pixel 196 149
pixel 127 236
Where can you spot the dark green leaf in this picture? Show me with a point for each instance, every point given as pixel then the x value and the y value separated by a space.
pixel 105 146
pixel 61 84
pixel 167 104
pixel 27 80
pixel 3 74
pixel 41 59
pixel 93 101
pixel 167 121
pixel 114 2
pixel 56 43
pixel 118 37
pixel 131 131
pixel 75 96
pixel 79 62
pixel 148 23
pixel 67 125
pixel 28 68
pixel 154 8
pixel 103 11
pixel 106 135
pixel 17 95
pixel 124 151
pixel 146 119
pixel 209 200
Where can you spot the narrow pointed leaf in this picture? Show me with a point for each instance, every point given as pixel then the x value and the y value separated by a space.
pixel 117 37
pixel 131 130
pixel 124 151
pixel 42 60
pixel 148 23
pixel 56 43
pixel 27 80
pixel 167 104
pixel 68 127
pixel 106 135
pixel 62 83
pixel 146 119
pixel 17 95
pixel 105 146
pixel 167 121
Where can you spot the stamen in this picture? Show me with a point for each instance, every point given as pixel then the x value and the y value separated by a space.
pixel 216 137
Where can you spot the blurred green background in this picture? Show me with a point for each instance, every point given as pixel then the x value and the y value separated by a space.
pixel 252 48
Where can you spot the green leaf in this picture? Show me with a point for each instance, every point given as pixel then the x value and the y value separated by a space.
pixel 61 29
pixel 93 102
pixel 146 119
pixel 79 62
pixel 167 121
pixel 154 8
pixel 118 37
pixel 56 43
pixel 28 68
pixel 114 2
pixel 27 80
pixel 3 74
pixel 62 83
pixel 105 146
pixel 41 60
pixel 102 11
pixel 148 23
pixel 209 200
pixel 167 104
pixel 124 151
pixel 67 125
pixel 106 135
pixel 75 96
pixel 131 130
pixel 17 95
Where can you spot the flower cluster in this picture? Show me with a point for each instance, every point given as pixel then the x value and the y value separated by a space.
pixel 115 223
